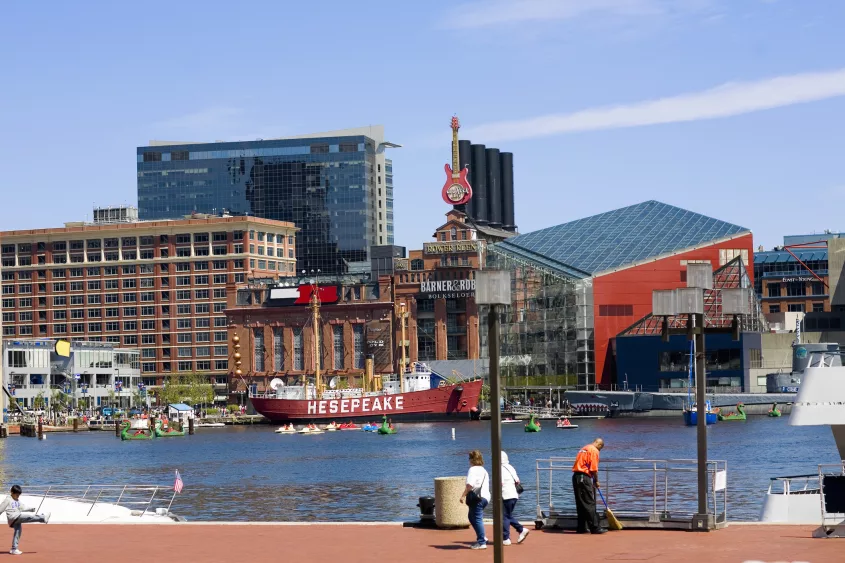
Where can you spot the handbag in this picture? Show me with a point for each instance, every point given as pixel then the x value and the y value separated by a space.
pixel 474 496
pixel 516 484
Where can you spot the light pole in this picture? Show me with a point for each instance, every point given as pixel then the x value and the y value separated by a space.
pixel 689 301
pixel 493 288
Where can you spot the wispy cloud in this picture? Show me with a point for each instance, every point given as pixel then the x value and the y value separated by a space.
pixel 734 98
pixel 490 13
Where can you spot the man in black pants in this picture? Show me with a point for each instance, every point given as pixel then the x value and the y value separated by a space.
pixel 585 479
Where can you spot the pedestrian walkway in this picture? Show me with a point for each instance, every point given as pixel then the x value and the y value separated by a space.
pixel 140 543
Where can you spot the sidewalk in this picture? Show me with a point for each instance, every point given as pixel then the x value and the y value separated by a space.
pixel 211 543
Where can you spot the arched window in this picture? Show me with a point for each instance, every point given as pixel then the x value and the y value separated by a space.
pixel 417 264
pixel 454 233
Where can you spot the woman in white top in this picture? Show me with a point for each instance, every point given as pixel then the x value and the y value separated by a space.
pixel 477 496
pixel 509 497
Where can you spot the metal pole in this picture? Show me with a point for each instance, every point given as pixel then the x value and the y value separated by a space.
pixel 701 397
pixel 495 431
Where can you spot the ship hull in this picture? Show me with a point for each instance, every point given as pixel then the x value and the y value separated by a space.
pixel 442 403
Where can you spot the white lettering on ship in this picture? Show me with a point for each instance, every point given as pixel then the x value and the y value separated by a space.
pixel 352 406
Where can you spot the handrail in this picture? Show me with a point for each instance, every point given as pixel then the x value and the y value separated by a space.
pixel 128 495
pixel 793 477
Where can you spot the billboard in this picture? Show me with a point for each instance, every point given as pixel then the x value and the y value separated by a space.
pixel 380 345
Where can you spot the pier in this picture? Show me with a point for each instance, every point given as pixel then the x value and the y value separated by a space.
pixel 366 543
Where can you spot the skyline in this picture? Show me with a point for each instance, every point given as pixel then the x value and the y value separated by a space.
pixel 725 109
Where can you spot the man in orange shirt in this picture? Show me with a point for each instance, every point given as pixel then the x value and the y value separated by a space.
pixel 585 481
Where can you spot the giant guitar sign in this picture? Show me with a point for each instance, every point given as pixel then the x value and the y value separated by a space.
pixel 456 190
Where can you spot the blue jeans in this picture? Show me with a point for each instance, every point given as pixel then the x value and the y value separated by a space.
pixel 25 518
pixel 508 520
pixel 476 520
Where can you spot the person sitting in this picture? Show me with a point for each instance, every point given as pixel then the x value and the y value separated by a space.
pixel 566 422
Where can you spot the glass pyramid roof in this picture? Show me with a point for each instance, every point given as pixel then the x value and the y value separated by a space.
pixel 620 237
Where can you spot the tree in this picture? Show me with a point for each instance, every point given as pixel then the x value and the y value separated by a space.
pixel 38 402
pixel 201 392
pixel 112 395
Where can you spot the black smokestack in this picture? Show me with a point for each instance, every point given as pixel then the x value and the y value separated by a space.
pixel 478 181
pixel 465 160
pixel 494 189
pixel 506 169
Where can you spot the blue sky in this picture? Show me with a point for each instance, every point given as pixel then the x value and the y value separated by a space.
pixel 732 108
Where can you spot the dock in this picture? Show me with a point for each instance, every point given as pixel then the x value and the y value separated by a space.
pixel 388 542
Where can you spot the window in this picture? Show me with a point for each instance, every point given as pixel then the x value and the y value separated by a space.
pixel 337 341
pixel 616 310
pixel 147 255
pixel 148 339
pixel 201 280
pixel 184 337
pixel 183 252
pixel 59 329
pixel 200 237
pixel 25 288
pixel 202 322
pixel 183 309
pixel 203 337
pixel 58 287
pixel 219 322
pixel 59 315
pixel 111 284
pixel 147 296
pixel 220 337
pixel 358 345
pixel 93 285
pixel 203 351
pixel 130 325
pixel 260 236
pixel 148 311
pixel 796 289
pixel 130 312
pixel 127 283
pixel 220 293
pixel 220 265
pixel 111 298
pixel 95 313
pixel 112 312
pixel 817 288
pixel 203 366
pixel 221 365
pixel 200 266
pixel 185 366
pixel 183 266
pixel 184 352
pixel 10 303
pixel 95 327
pixel 183 323
pixel 26 302
pixel 183 239
pixel 774 308
pixel 258 345
pixel 183 280
pixel 220 278
pixel 290 240
pixel 57 274
pixel 200 251
pixel 201 294
pixel 147 282
pixel 94 299
pixel 183 294
pixel 130 297
pixel 261 251
pixel 818 307
pixel 795 307
pixel 76 328
pixel 25 316
pixel 77 314
pixel 298 359
pixel 262 264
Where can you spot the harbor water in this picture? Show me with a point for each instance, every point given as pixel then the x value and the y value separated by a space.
pixel 249 473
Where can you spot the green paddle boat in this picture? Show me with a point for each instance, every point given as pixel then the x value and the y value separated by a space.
pixel 738 415
pixel 774 411
pixel 129 433
pixel 533 425
pixel 386 428
pixel 168 432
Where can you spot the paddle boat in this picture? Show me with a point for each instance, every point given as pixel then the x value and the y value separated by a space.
pixel 349 426
pixel 164 430
pixel 691 414
pixel 738 415
pixel 564 424
pixel 774 411
pixel 136 429
pixel 510 421
pixel 310 429
pixel 331 427
pixel 210 425
pixel 386 427
pixel 370 427
pixel 533 425
pixel 287 429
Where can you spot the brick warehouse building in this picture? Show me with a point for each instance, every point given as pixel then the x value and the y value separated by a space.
pixel 155 285
pixel 579 284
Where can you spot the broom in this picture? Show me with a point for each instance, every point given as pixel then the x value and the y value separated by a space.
pixel 612 521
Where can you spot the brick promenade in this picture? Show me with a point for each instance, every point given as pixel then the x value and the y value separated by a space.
pixel 190 543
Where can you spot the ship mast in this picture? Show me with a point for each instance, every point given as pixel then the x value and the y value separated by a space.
pixel 402 316
pixel 315 310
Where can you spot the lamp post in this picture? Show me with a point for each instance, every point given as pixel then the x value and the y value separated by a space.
pixel 493 288
pixel 689 301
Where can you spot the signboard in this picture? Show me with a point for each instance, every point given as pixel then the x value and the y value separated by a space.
pixel 798 279
pixel 448 288
pixel 401 264
pixel 455 247
pixel 302 295
pixel 380 345
pixel 720 481
pixel 789 389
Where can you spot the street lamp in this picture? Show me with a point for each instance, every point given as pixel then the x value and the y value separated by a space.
pixel 493 288
pixel 689 301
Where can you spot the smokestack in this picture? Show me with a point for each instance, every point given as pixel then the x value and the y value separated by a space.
pixel 506 168
pixel 478 181
pixel 465 160
pixel 494 189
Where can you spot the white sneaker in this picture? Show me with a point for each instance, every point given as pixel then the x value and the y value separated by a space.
pixel 46 516
pixel 16 552
pixel 523 535
pixel 506 542
pixel 479 546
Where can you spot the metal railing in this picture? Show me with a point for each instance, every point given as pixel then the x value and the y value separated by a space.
pixel 832 509
pixel 653 490
pixel 143 498
pixel 794 485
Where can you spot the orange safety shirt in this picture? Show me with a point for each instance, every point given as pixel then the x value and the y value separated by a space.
pixel 587 460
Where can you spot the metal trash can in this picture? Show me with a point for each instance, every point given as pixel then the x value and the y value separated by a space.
pixel 449 511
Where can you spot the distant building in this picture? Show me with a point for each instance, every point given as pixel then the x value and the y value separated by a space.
pixel 336 187
pixel 159 286
pixel 579 285
pixel 794 278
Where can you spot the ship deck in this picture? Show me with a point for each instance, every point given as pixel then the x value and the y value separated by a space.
pixel 350 543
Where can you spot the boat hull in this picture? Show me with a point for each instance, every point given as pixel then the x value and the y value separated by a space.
pixel 691 418
pixel 442 403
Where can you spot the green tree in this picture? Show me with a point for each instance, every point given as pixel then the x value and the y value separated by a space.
pixel 112 396
pixel 38 402
pixel 201 392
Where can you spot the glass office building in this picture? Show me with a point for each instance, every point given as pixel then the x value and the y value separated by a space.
pixel 335 187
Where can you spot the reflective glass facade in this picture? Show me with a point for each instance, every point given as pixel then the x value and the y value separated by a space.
pixel 329 187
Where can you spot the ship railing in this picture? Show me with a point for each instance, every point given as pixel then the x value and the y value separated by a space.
pixel 641 492
pixel 142 498
pixel 794 485
pixel 832 488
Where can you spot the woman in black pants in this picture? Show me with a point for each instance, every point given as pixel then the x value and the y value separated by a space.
pixel 510 480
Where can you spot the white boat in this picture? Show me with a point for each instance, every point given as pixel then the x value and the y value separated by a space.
pixel 283 430
pixel 820 401
pixel 210 425
pixel 91 504
pixel 562 426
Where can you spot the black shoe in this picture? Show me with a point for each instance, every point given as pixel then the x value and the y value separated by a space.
pixel 601 531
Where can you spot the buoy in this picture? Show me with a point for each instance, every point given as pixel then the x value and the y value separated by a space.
pixel 453 433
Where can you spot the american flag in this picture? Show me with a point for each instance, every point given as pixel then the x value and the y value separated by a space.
pixel 177 486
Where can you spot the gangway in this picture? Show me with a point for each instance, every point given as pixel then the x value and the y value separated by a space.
pixel 643 493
